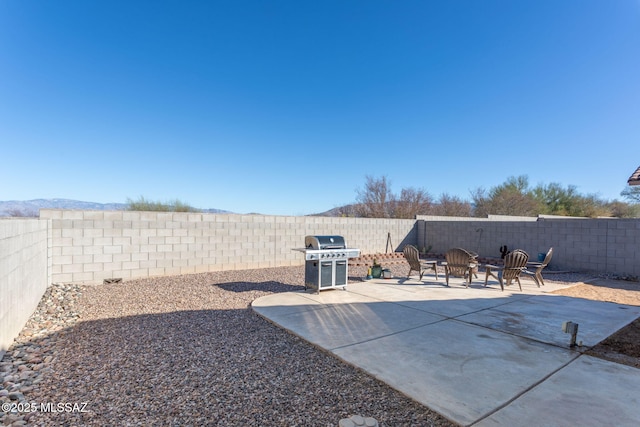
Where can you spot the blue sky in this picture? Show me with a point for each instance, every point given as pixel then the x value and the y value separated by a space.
pixel 284 107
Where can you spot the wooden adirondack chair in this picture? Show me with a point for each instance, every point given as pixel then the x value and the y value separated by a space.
pixel 415 264
pixel 539 266
pixel 514 264
pixel 460 263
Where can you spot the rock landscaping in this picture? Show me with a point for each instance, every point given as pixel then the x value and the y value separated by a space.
pixel 189 350
pixel 184 350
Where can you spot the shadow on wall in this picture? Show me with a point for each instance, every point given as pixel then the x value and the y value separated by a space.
pixel 410 239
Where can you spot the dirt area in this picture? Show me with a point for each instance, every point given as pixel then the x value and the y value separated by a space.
pixel 623 346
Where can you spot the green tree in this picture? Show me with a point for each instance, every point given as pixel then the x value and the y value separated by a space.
pixel 143 204
pixel 511 198
pixel 556 200
pixel 589 206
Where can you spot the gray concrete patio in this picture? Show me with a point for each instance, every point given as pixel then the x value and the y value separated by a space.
pixel 478 356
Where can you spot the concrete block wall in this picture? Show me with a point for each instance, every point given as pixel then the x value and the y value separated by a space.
pixel 24 273
pixel 90 246
pixel 600 245
pixel 482 237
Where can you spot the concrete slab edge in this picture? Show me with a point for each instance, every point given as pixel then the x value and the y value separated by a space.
pixel 346 362
pixel 527 390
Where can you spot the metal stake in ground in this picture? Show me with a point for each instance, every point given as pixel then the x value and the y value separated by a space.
pixel 571 328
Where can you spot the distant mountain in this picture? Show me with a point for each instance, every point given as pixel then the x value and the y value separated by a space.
pixel 346 210
pixel 212 210
pixel 31 208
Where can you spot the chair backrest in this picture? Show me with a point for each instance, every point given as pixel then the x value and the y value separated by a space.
pixel 411 255
pixel 458 261
pixel 547 259
pixel 514 263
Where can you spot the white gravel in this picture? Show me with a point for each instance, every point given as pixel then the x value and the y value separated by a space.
pixel 188 351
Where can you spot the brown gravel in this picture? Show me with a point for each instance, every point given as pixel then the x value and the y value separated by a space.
pixel 623 346
pixel 188 350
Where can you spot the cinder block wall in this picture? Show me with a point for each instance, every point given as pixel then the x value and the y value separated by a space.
pixel 90 246
pixel 600 245
pixel 23 274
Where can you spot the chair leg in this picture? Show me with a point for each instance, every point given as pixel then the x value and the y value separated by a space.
pixel 540 279
pixel 446 274
pixel 489 272
pixel 535 279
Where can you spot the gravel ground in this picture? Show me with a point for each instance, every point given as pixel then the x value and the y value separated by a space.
pixel 185 350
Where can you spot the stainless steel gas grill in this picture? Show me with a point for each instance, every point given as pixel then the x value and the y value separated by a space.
pixel 327 262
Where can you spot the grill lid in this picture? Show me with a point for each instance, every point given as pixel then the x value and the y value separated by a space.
pixel 324 242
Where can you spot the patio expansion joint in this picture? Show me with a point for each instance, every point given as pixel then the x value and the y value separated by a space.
pixel 527 390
